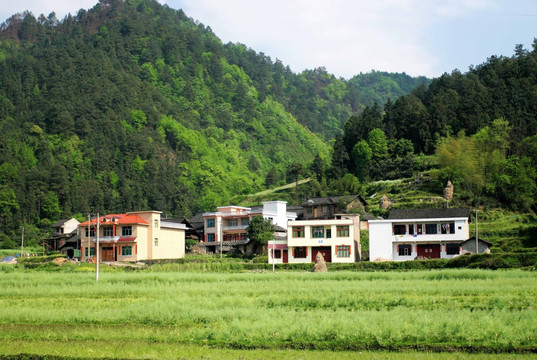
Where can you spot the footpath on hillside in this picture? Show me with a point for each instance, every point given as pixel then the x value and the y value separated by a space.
pixel 284 187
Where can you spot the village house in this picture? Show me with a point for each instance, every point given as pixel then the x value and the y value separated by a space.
pixel 337 239
pixel 225 228
pixel 64 238
pixel 328 207
pixel 419 233
pixel 133 236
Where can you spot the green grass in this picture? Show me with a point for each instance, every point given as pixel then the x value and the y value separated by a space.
pixel 430 311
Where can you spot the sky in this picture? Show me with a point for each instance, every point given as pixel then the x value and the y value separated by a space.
pixel 348 37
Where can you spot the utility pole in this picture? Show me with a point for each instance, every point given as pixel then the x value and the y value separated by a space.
pixel 97 267
pixel 22 242
pixel 476 235
pixel 221 244
pixel 88 237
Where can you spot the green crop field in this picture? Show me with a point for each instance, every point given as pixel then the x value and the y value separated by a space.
pixel 440 314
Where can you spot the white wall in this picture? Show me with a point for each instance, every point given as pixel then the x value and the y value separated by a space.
pixel 383 243
pixel 309 241
pixel 277 210
pixel 380 240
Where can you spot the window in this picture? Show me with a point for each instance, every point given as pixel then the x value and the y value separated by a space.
pixel 325 209
pixel 343 231
pixel 300 252
pixel 156 223
pixel 399 229
pixel 298 231
pixel 405 250
pixel 447 228
pixel 92 232
pixel 309 210
pixel 155 241
pixel 232 222
pixel 234 237
pixel 420 229
pixel 411 229
pixel 452 249
pixel 277 254
pixel 126 231
pixel 210 237
pixel 245 221
pixel 126 250
pixel 210 223
pixel 343 251
pixel 92 251
pixel 328 233
pixel 108 231
pixel 317 231
pixel 431 229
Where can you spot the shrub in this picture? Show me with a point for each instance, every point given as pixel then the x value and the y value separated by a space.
pixel 260 259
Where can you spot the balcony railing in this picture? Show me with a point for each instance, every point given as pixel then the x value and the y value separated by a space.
pixel 225 243
pixel 105 238
pixel 234 227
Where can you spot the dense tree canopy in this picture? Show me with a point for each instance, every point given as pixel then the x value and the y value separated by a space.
pixel 132 105
pixel 480 125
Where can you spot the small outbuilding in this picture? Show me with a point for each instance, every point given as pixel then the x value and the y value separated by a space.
pixel 469 246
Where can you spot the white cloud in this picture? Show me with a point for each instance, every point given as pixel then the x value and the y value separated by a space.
pixel 347 37
pixel 38 7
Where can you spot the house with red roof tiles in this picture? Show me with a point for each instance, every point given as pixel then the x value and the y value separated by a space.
pixel 133 236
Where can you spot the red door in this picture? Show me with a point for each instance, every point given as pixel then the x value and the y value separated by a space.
pixel 285 257
pixel 429 251
pixel 325 250
pixel 107 253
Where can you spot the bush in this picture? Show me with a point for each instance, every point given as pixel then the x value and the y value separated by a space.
pixel 260 259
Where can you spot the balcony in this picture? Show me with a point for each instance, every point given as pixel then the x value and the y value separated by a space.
pixel 225 243
pixel 105 239
pixel 234 227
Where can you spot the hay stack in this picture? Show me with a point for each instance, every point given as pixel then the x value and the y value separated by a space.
pixel 385 203
pixel 448 191
pixel 320 264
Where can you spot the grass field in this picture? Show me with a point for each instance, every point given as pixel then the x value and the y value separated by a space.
pixel 462 314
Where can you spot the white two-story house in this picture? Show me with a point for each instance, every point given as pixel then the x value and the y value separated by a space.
pixel 337 239
pixel 419 233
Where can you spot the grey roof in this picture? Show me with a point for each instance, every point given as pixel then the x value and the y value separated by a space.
pixel 429 213
pixel 479 239
pixel 60 223
pixel 368 216
pixel 256 209
pixel 332 200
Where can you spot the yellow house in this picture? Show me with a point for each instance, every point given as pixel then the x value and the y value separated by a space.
pixel 133 236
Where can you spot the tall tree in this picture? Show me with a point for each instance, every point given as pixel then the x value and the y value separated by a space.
pixel 260 231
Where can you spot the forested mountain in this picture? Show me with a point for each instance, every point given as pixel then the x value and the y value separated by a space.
pixel 481 126
pixel 132 105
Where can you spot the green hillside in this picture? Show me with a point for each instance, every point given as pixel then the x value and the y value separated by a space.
pixel 478 130
pixel 133 105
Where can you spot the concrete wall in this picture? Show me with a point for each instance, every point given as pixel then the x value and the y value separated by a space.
pixel 171 244
pixel 309 241
pixel 383 244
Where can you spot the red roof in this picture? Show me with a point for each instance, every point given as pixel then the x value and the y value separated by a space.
pixel 127 238
pixel 120 219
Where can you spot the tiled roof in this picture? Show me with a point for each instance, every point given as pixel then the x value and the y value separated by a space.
pixel 332 200
pixel 120 219
pixel 429 213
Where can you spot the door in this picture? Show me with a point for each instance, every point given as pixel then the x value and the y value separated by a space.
pixel 107 253
pixel 429 251
pixel 285 257
pixel 326 251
